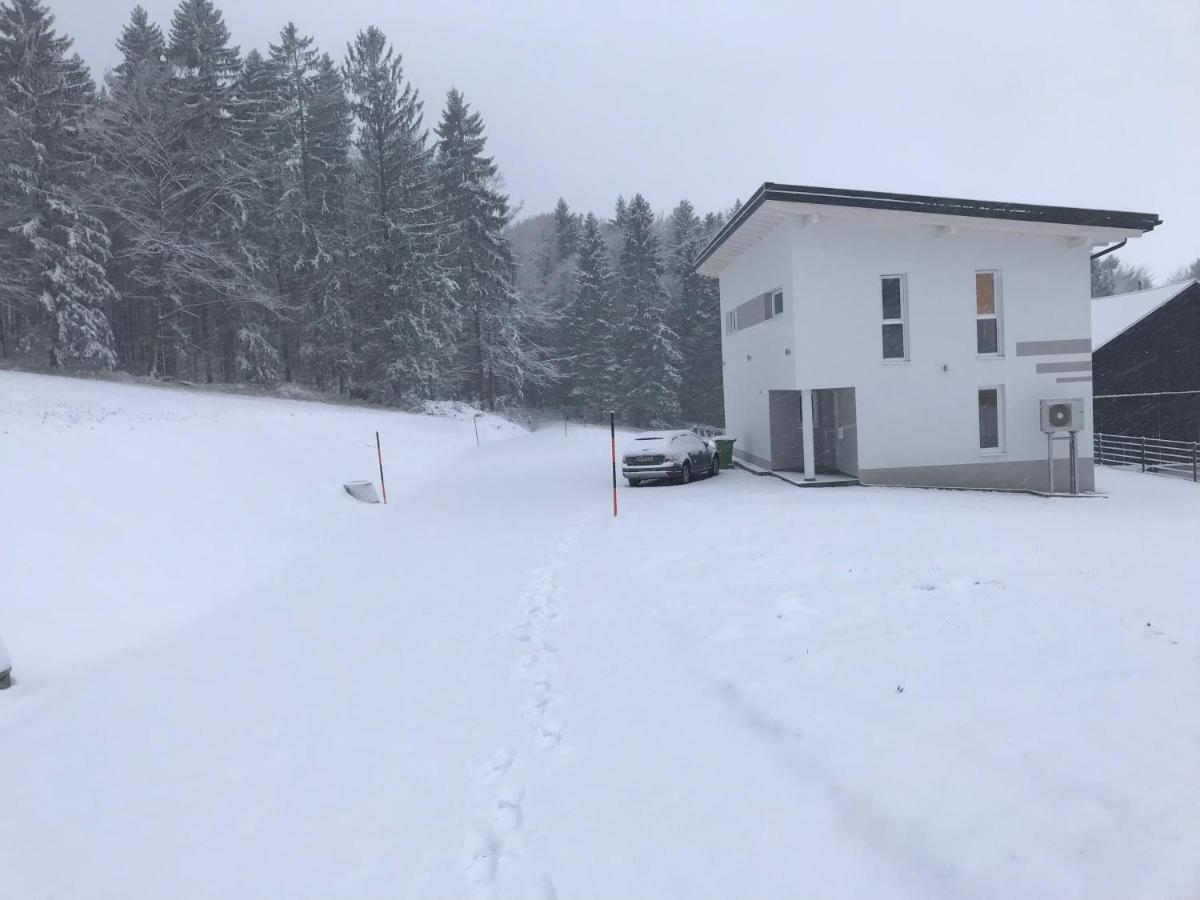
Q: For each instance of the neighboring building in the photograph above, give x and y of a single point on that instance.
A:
(905, 339)
(1146, 362)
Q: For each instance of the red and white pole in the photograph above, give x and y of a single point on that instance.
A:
(612, 430)
(379, 453)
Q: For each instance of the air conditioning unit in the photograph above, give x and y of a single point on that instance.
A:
(1062, 415)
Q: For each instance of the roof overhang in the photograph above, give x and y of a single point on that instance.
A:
(774, 204)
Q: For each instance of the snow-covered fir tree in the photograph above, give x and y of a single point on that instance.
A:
(696, 304)
(406, 312)
(137, 131)
(216, 162)
(54, 257)
(646, 344)
(327, 333)
(567, 231)
(590, 372)
(262, 336)
(478, 257)
(141, 43)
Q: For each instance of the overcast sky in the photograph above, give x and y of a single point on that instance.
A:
(1091, 103)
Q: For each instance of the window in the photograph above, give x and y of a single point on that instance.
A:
(757, 309)
(772, 302)
(988, 340)
(991, 419)
(895, 316)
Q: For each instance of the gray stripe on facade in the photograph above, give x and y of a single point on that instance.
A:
(1054, 348)
(1023, 475)
(1081, 366)
(1074, 378)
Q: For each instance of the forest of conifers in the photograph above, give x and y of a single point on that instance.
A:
(204, 215)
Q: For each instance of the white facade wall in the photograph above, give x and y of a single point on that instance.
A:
(923, 412)
(760, 358)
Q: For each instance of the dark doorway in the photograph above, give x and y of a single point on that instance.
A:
(835, 431)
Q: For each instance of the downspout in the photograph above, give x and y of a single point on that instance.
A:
(1107, 250)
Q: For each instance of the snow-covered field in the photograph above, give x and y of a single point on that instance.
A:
(235, 681)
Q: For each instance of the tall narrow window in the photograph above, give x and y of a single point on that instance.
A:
(987, 314)
(990, 419)
(895, 316)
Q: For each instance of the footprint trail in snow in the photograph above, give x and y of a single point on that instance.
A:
(499, 864)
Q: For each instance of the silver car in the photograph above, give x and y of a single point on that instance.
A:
(668, 455)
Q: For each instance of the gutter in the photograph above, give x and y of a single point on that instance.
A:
(1108, 250)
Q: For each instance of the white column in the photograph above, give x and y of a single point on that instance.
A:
(806, 411)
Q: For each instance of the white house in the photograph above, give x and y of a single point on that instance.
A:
(904, 339)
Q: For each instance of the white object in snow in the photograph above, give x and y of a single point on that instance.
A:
(5, 667)
(362, 490)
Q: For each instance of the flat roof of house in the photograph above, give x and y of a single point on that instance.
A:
(1112, 316)
(941, 206)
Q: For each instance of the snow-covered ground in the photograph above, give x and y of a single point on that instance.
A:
(234, 681)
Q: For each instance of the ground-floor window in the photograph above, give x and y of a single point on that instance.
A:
(991, 418)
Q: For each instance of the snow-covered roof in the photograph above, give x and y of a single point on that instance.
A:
(1118, 313)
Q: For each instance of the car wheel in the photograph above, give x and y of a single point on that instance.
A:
(635, 482)
(685, 474)
(5, 679)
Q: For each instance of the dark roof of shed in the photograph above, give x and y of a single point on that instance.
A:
(946, 206)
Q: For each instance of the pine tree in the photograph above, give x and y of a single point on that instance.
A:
(590, 373)
(566, 232)
(55, 252)
(262, 340)
(141, 43)
(328, 337)
(697, 308)
(405, 313)
(646, 343)
(214, 169)
(478, 256)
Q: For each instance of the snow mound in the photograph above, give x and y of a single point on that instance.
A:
(465, 412)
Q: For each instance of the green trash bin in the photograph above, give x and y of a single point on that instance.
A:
(725, 451)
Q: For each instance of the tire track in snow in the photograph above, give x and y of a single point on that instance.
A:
(499, 864)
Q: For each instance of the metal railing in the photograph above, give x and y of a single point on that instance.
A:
(1158, 456)
(704, 431)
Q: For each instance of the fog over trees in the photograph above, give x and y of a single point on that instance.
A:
(283, 214)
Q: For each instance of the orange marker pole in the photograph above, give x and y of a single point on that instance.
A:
(379, 453)
(612, 429)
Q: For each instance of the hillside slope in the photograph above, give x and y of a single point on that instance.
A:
(133, 508)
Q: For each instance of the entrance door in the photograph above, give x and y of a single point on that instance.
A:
(825, 429)
(835, 432)
(847, 431)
